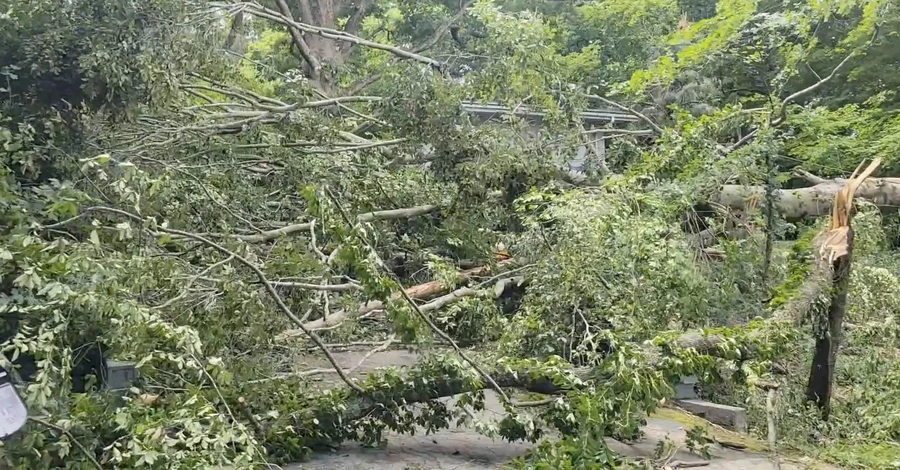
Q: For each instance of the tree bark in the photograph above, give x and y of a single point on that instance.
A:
(355, 21)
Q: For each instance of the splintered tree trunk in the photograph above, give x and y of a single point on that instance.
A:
(834, 250)
(821, 376)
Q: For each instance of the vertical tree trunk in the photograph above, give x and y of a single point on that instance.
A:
(236, 41)
(821, 376)
(770, 217)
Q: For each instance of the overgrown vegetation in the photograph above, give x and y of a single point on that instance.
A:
(218, 191)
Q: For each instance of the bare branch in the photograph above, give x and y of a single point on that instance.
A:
(743, 141)
(397, 213)
(607, 130)
(191, 282)
(270, 234)
(319, 287)
(422, 291)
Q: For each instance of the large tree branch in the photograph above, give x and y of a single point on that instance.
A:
(531, 377)
(270, 235)
(392, 214)
(263, 12)
(314, 65)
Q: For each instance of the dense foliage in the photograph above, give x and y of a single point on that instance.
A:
(191, 184)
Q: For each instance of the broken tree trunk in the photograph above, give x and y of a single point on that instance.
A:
(816, 200)
(834, 250)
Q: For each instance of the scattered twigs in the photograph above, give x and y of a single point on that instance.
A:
(381, 347)
(422, 291)
(84, 450)
(205, 189)
(675, 464)
(191, 282)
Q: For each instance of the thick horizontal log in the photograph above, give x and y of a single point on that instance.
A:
(817, 200)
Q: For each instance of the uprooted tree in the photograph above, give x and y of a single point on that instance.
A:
(214, 189)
